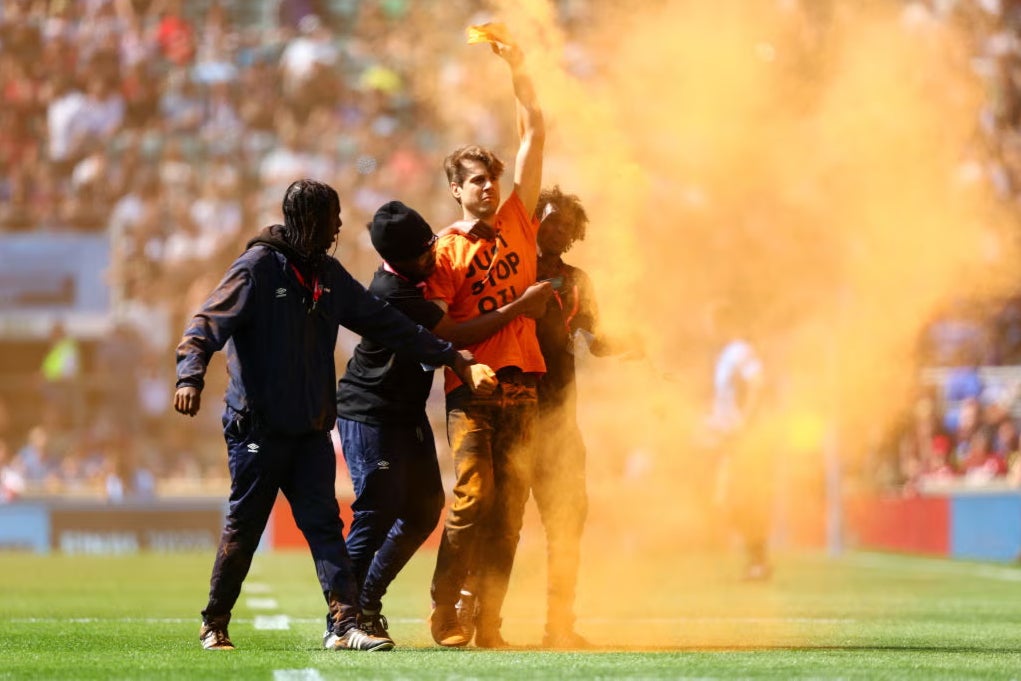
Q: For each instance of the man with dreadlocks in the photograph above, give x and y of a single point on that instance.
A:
(278, 310)
(558, 479)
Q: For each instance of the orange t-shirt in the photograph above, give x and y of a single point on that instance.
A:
(475, 277)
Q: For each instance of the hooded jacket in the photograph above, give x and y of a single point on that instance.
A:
(280, 334)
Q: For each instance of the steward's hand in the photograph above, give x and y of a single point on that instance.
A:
(483, 379)
(187, 400)
(479, 378)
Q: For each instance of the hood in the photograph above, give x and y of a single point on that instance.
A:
(274, 237)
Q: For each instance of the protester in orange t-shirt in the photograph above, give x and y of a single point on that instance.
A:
(483, 262)
(477, 275)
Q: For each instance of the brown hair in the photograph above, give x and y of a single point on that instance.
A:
(453, 164)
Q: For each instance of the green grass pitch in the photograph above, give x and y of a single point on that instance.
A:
(862, 616)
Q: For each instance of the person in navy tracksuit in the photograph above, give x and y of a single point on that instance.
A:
(278, 310)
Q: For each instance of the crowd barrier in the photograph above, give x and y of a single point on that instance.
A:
(974, 524)
(86, 526)
(971, 523)
(98, 527)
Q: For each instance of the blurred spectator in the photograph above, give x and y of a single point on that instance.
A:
(60, 371)
(290, 13)
(980, 464)
(175, 34)
(12, 479)
(35, 460)
(963, 383)
(1005, 443)
(968, 423)
(66, 104)
(956, 337)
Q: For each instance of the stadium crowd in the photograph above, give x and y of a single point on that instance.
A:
(172, 127)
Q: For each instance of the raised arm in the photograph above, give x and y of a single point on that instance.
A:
(531, 127)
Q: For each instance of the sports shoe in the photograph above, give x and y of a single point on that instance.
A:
(355, 639)
(374, 624)
(487, 634)
(490, 638)
(466, 611)
(213, 636)
(445, 628)
(565, 639)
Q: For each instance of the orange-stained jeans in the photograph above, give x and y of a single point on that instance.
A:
(491, 442)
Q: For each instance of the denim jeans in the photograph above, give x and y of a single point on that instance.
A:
(304, 468)
(491, 440)
(398, 499)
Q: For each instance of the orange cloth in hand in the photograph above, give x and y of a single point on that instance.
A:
(488, 33)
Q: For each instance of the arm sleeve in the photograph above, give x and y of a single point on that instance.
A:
(515, 211)
(446, 279)
(368, 316)
(209, 330)
(416, 308)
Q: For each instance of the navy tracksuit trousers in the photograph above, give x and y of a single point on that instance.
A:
(304, 468)
(398, 499)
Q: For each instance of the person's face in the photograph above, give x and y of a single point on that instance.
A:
(330, 234)
(420, 268)
(555, 232)
(479, 194)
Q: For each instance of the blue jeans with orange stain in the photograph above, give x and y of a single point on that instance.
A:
(398, 499)
(491, 442)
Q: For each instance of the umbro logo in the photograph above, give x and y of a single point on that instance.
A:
(281, 292)
(253, 447)
(383, 465)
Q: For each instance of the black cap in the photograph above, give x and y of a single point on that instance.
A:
(399, 232)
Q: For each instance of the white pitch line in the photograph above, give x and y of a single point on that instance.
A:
(718, 620)
(420, 620)
(917, 564)
(262, 603)
(296, 675)
(256, 588)
(272, 622)
(97, 620)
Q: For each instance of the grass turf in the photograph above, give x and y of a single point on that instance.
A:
(863, 616)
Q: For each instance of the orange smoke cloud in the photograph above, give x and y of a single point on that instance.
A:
(812, 163)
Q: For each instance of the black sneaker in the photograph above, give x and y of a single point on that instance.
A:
(355, 639)
(466, 610)
(374, 625)
(213, 636)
